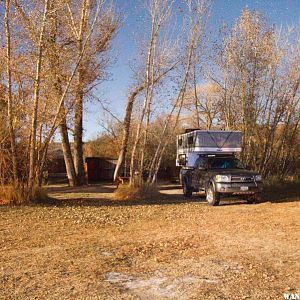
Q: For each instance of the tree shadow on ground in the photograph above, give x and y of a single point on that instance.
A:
(93, 188)
(162, 199)
(170, 186)
(280, 192)
(169, 194)
(277, 198)
(102, 195)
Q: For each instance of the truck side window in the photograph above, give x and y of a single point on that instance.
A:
(190, 140)
(200, 163)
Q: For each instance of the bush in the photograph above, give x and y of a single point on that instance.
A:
(142, 192)
(275, 183)
(276, 189)
(22, 194)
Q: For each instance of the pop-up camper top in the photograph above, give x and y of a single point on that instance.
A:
(190, 145)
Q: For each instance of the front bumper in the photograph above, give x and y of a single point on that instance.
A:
(239, 188)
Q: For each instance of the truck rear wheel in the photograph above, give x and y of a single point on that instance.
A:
(212, 197)
(187, 190)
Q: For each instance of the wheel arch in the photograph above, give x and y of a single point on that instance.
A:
(210, 182)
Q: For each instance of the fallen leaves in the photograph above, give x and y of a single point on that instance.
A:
(66, 250)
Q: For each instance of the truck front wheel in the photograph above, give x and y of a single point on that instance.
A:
(256, 198)
(212, 197)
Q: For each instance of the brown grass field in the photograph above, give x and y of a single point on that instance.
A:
(86, 245)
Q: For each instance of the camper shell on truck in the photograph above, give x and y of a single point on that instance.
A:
(208, 163)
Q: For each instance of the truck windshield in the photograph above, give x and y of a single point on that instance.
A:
(224, 163)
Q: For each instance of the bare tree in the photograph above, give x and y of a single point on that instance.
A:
(58, 114)
(9, 92)
(41, 77)
(259, 92)
(90, 70)
(54, 51)
(36, 94)
(126, 129)
(197, 13)
(156, 65)
(202, 102)
(160, 11)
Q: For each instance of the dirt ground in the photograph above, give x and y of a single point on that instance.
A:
(86, 245)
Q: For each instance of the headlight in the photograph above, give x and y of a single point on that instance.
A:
(223, 178)
(258, 178)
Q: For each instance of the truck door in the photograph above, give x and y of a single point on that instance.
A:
(199, 173)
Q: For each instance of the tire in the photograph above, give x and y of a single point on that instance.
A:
(212, 197)
(187, 190)
(256, 198)
(251, 200)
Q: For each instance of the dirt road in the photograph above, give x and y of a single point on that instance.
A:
(92, 247)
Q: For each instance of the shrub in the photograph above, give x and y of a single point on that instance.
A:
(275, 189)
(21, 194)
(142, 192)
(275, 183)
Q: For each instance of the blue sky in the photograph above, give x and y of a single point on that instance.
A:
(278, 12)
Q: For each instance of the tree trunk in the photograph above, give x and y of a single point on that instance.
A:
(126, 130)
(127, 120)
(57, 116)
(78, 129)
(9, 94)
(32, 147)
(148, 94)
(58, 91)
(78, 126)
(196, 98)
(67, 153)
(156, 161)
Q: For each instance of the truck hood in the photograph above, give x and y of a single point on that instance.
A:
(238, 172)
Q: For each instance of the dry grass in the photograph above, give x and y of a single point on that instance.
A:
(22, 194)
(130, 192)
(181, 250)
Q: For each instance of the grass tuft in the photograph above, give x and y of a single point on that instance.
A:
(142, 192)
(22, 194)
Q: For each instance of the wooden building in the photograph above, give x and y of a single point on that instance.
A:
(100, 168)
(97, 169)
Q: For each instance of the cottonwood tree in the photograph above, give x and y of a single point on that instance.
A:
(4, 136)
(10, 113)
(259, 91)
(58, 60)
(196, 18)
(160, 12)
(159, 54)
(36, 97)
(156, 63)
(279, 154)
(39, 81)
(94, 41)
(202, 104)
(90, 71)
